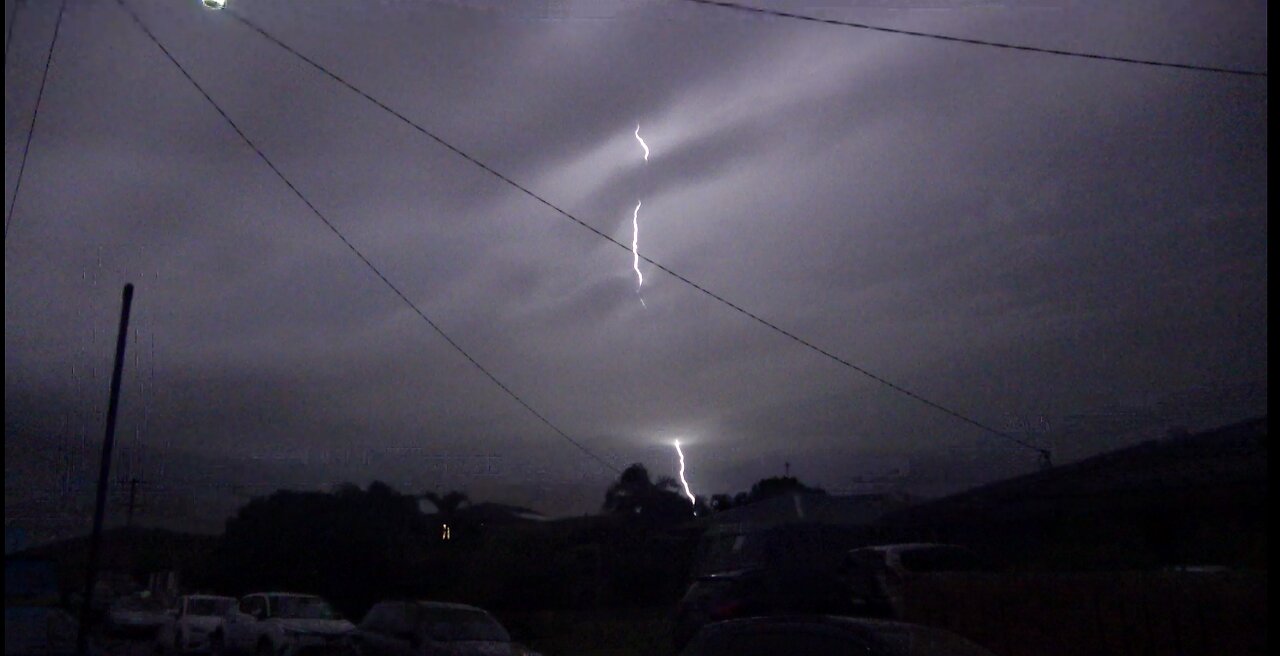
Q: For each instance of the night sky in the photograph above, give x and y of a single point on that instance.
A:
(1026, 238)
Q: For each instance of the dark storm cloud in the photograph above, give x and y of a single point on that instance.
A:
(1005, 232)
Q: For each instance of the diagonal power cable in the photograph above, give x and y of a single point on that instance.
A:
(356, 251)
(596, 231)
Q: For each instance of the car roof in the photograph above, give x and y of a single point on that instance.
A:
(868, 623)
(871, 630)
(208, 596)
(905, 546)
(446, 605)
(863, 627)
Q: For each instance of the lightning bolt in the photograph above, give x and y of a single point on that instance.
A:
(683, 482)
(642, 143)
(635, 229)
(635, 243)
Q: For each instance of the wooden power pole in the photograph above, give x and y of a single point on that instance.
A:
(104, 475)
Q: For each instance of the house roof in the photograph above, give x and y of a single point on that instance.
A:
(848, 510)
(1232, 455)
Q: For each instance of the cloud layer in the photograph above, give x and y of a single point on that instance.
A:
(1006, 233)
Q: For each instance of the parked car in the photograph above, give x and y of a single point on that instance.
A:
(281, 624)
(875, 575)
(425, 628)
(138, 616)
(30, 582)
(195, 618)
(40, 631)
(825, 636)
(783, 569)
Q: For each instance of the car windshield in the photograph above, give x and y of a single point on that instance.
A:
(454, 624)
(784, 547)
(137, 604)
(302, 608)
(808, 547)
(211, 607)
(729, 552)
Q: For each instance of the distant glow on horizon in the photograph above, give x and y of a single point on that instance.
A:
(692, 500)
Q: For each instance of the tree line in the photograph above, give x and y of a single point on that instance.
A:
(356, 546)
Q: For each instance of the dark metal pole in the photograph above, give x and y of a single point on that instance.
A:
(104, 473)
(133, 494)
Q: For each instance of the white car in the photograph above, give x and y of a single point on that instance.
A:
(195, 619)
(280, 624)
(135, 616)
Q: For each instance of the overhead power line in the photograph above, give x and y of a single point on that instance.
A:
(979, 42)
(8, 39)
(352, 247)
(596, 231)
(35, 114)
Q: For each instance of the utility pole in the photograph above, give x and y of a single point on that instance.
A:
(133, 496)
(104, 474)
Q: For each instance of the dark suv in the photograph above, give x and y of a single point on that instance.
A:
(792, 568)
(876, 575)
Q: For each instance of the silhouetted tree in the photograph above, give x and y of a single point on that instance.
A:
(721, 502)
(447, 507)
(765, 488)
(625, 494)
(447, 504)
(347, 490)
(349, 545)
(635, 494)
(774, 486)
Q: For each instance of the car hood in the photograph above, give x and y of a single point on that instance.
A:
(476, 648)
(202, 622)
(137, 617)
(325, 627)
(731, 575)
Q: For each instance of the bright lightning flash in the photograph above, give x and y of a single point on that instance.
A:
(635, 244)
(642, 143)
(635, 228)
(683, 482)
